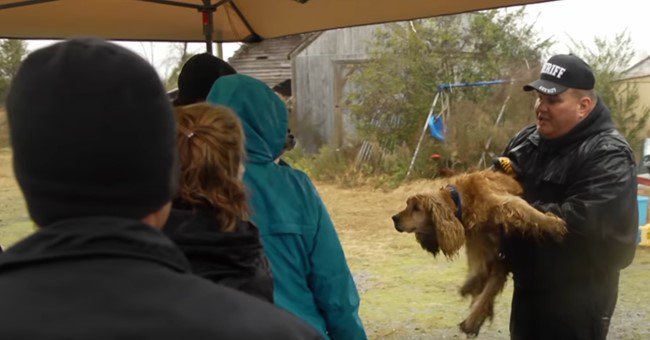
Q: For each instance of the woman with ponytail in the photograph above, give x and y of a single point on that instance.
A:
(209, 219)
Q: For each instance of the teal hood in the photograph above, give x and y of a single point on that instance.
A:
(263, 114)
(310, 274)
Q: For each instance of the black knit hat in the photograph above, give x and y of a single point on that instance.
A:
(92, 131)
(561, 72)
(197, 76)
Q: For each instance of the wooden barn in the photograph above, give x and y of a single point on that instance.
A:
(312, 69)
(320, 85)
(270, 60)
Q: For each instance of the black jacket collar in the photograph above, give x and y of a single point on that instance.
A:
(96, 237)
(200, 228)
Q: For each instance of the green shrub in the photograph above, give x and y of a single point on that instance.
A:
(380, 168)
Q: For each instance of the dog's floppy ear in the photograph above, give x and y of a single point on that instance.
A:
(449, 231)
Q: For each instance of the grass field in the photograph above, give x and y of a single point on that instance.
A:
(405, 292)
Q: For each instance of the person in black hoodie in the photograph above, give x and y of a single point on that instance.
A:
(209, 220)
(94, 145)
(573, 163)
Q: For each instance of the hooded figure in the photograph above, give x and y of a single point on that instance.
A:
(94, 153)
(311, 277)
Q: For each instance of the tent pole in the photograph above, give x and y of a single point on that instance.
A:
(208, 25)
(220, 50)
(207, 12)
(24, 3)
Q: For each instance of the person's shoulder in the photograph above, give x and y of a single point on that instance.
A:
(296, 175)
(612, 137)
(229, 313)
(176, 220)
(609, 142)
(524, 133)
(300, 175)
(521, 137)
(183, 221)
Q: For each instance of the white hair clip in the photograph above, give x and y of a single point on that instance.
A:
(190, 135)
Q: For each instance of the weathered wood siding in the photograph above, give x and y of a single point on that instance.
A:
(319, 72)
(268, 60)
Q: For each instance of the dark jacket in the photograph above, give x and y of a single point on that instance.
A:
(235, 259)
(112, 278)
(588, 178)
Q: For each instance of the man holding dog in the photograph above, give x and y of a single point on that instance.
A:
(94, 143)
(575, 164)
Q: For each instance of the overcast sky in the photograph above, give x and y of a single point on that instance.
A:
(581, 19)
(585, 19)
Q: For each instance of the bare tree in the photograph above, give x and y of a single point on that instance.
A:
(12, 53)
(174, 62)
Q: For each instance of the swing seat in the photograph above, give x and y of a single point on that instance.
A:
(437, 127)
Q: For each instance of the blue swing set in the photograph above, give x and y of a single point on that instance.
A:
(436, 123)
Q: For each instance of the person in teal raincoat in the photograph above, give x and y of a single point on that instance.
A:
(312, 279)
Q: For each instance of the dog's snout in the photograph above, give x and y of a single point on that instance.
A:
(395, 219)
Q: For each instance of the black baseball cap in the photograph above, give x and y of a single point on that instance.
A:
(561, 72)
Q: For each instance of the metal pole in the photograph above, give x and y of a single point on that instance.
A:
(489, 141)
(173, 3)
(207, 10)
(424, 130)
(24, 3)
(220, 50)
(208, 25)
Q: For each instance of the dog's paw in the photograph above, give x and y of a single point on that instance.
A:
(466, 290)
(556, 227)
(473, 286)
(469, 328)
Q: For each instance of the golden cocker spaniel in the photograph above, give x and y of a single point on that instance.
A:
(475, 210)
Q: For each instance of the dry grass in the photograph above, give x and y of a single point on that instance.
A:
(4, 129)
(14, 220)
(405, 292)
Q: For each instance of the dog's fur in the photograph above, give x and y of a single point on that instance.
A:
(490, 208)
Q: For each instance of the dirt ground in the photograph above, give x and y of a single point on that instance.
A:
(14, 220)
(405, 292)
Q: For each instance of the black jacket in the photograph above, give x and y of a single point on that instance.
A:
(234, 259)
(588, 178)
(568, 289)
(112, 278)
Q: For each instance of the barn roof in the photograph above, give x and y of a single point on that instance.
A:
(638, 70)
(270, 60)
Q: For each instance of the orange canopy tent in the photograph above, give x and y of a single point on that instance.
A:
(212, 20)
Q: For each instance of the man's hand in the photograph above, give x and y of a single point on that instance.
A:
(505, 165)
